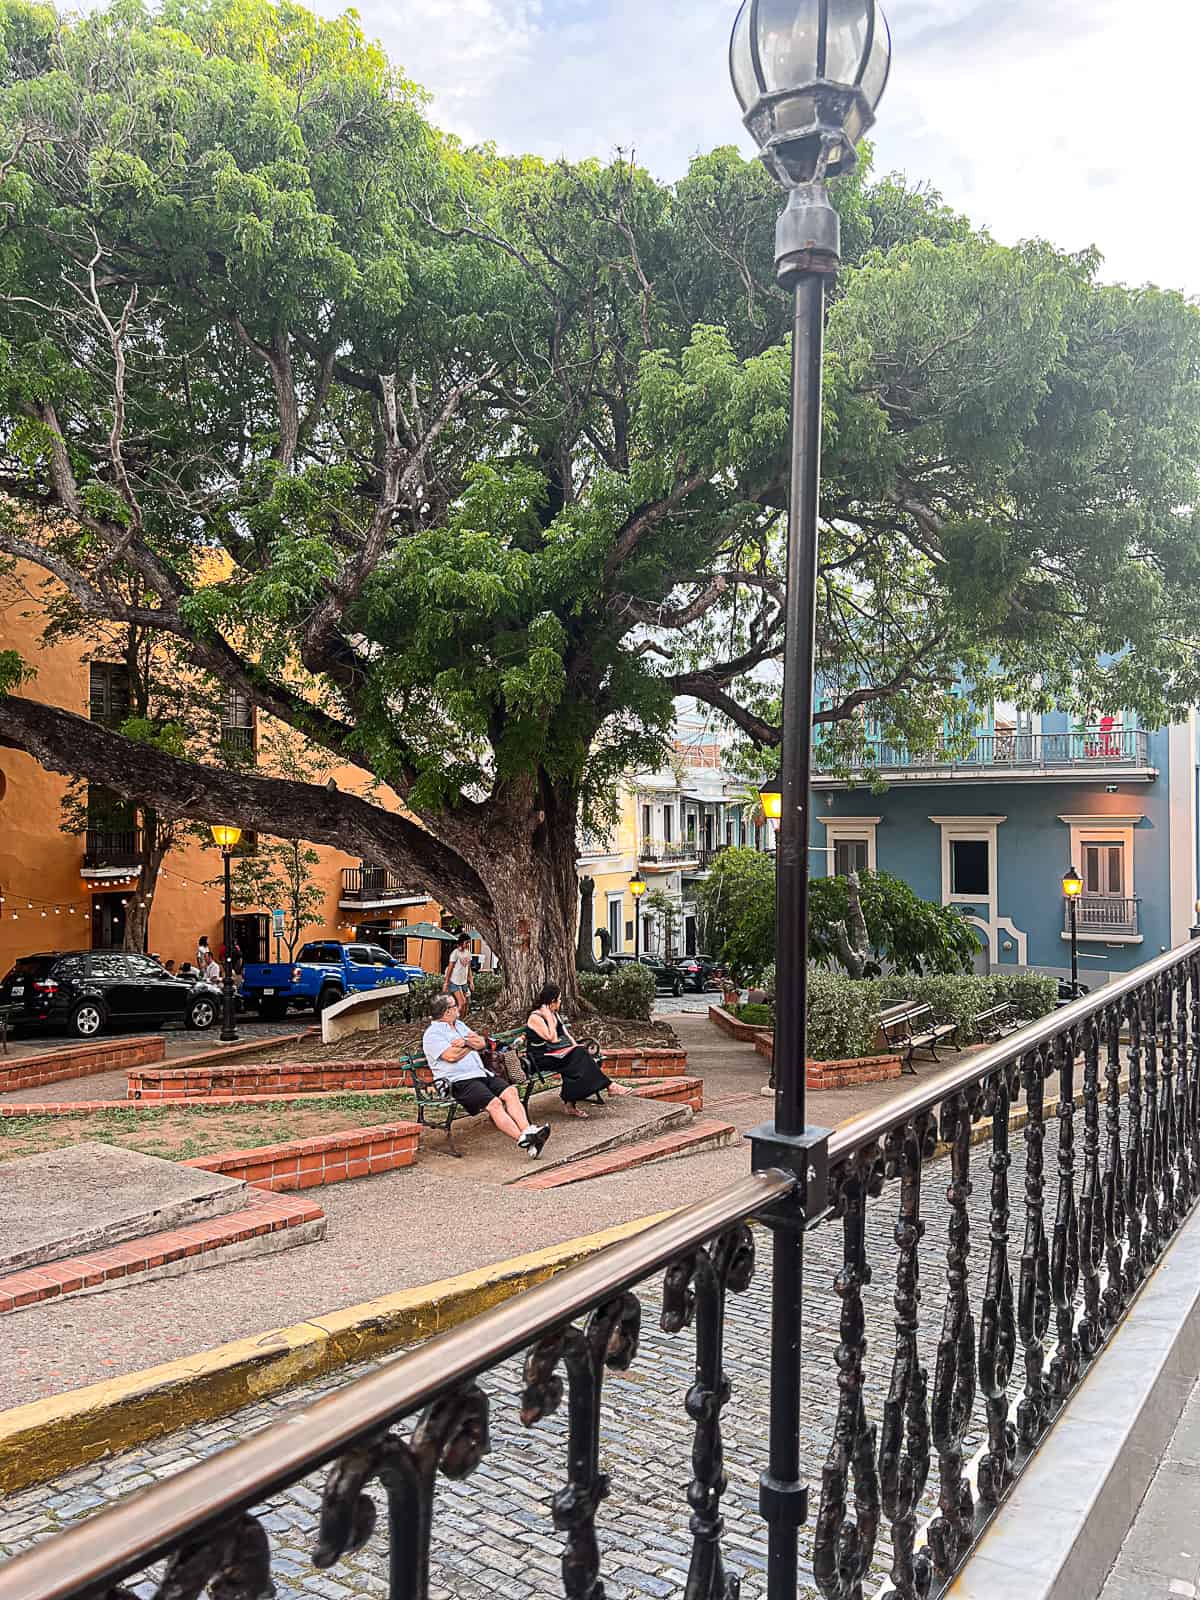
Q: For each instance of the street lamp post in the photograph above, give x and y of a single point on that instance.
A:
(1072, 888)
(227, 837)
(637, 888)
(808, 75)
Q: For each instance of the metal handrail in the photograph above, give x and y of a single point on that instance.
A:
(127, 1537)
(870, 1126)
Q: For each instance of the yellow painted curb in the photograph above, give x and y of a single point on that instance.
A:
(51, 1436)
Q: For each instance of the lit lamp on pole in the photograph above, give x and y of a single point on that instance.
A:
(226, 838)
(808, 75)
(1072, 888)
(637, 888)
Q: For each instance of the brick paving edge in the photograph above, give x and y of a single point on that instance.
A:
(50, 1436)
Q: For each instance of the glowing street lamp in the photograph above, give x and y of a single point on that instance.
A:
(637, 888)
(226, 836)
(1072, 888)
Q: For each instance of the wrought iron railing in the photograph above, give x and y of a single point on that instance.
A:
(373, 883)
(238, 739)
(1037, 752)
(112, 847)
(999, 1355)
(668, 850)
(1098, 913)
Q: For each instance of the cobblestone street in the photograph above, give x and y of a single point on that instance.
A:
(493, 1533)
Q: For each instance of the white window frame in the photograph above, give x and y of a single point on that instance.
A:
(992, 925)
(1093, 828)
(617, 900)
(840, 829)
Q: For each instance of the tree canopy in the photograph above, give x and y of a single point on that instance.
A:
(464, 465)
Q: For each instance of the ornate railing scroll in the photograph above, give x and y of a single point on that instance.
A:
(1102, 1101)
(427, 1415)
(1079, 1137)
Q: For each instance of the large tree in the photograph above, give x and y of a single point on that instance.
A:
(464, 467)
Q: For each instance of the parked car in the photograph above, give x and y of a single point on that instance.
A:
(667, 978)
(700, 972)
(87, 991)
(323, 972)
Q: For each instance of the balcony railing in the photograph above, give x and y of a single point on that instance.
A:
(368, 884)
(668, 850)
(238, 740)
(112, 847)
(1097, 913)
(1036, 752)
(929, 1356)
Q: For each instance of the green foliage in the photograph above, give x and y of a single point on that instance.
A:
(905, 932)
(843, 1015)
(737, 910)
(961, 998)
(13, 671)
(758, 1016)
(487, 988)
(627, 992)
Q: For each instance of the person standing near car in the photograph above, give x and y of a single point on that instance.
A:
(460, 977)
(203, 954)
(212, 970)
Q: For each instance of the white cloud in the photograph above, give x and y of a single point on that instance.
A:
(1061, 118)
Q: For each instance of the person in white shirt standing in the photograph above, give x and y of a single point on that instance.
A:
(452, 1051)
(460, 976)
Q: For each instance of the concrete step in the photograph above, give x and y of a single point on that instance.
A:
(702, 1133)
(266, 1223)
(88, 1197)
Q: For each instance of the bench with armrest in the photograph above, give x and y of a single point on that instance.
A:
(996, 1022)
(434, 1099)
(915, 1029)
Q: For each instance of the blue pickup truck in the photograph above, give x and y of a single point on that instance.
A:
(324, 971)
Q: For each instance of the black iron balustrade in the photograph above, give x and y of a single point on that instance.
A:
(373, 883)
(112, 847)
(1111, 1104)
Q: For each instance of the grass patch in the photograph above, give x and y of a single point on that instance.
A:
(180, 1133)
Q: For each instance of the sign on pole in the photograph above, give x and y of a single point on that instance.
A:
(277, 923)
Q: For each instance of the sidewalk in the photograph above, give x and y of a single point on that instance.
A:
(398, 1230)
(1161, 1553)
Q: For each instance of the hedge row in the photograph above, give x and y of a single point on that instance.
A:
(844, 1013)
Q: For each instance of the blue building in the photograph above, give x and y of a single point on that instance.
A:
(993, 830)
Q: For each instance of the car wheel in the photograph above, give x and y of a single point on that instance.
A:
(87, 1019)
(202, 1013)
(327, 998)
(677, 988)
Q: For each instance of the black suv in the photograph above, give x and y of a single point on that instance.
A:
(700, 972)
(667, 979)
(87, 990)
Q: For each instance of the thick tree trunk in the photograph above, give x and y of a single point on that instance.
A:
(527, 862)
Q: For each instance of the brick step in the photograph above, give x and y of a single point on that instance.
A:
(268, 1222)
(702, 1133)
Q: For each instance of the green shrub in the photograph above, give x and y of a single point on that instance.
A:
(756, 1016)
(843, 1015)
(961, 998)
(487, 988)
(627, 992)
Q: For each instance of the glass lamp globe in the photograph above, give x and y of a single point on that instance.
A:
(770, 798)
(225, 835)
(808, 75)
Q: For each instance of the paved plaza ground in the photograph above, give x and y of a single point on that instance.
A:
(493, 1534)
(1160, 1559)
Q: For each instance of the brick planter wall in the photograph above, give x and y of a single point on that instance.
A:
(329, 1158)
(679, 1091)
(848, 1074)
(321, 1077)
(80, 1061)
(728, 1023)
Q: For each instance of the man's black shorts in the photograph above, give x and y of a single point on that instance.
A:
(476, 1094)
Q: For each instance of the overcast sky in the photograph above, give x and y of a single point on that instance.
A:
(1071, 119)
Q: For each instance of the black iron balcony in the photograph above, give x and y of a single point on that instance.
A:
(1098, 913)
(929, 1354)
(668, 850)
(238, 740)
(373, 886)
(1016, 754)
(112, 847)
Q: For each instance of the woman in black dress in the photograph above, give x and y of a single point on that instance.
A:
(547, 1039)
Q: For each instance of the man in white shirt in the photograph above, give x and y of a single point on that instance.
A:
(452, 1051)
